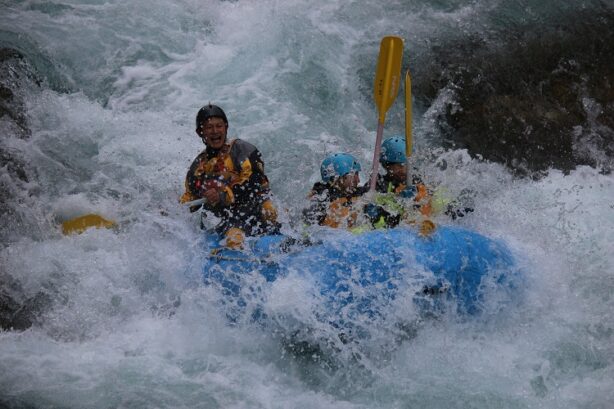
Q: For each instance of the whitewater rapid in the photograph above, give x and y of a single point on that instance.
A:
(111, 131)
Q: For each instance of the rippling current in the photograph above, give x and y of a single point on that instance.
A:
(513, 101)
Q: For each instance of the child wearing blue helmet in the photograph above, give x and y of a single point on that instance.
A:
(332, 201)
(394, 181)
(386, 210)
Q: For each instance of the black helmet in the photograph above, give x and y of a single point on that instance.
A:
(209, 111)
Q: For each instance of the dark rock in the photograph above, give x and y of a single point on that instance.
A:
(532, 97)
(10, 289)
(17, 79)
(30, 312)
(8, 308)
(15, 75)
(17, 311)
(15, 167)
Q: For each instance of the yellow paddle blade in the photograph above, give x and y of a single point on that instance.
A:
(388, 74)
(408, 119)
(82, 223)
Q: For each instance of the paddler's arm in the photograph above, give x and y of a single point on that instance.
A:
(192, 185)
(189, 196)
(315, 213)
(251, 184)
(379, 217)
(319, 200)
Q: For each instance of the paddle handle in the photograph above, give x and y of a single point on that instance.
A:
(376, 153)
(195, 202)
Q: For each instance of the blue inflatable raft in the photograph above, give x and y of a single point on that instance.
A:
(361, 276)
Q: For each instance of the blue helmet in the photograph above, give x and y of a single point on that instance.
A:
(393, 150)
(337, 165)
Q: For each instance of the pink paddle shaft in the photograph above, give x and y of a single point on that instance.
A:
(378, 146)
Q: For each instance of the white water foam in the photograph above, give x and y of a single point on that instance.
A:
(130, 324)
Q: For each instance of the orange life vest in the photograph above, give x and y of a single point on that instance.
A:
(422, 197)
(341, 213)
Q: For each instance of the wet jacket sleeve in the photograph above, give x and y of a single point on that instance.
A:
(317, 209)
(250, 185)
(191, 185)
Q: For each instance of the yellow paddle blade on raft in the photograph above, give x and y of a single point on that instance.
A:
(82, 223)
(387, 74)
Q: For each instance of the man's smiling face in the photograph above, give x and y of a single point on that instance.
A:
(214, 132)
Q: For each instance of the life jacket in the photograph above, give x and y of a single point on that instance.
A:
(341, 213)
(236, 171)
(422, 198)
(330, 207)
(215, 170)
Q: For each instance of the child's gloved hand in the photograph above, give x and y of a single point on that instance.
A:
(408, 192)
